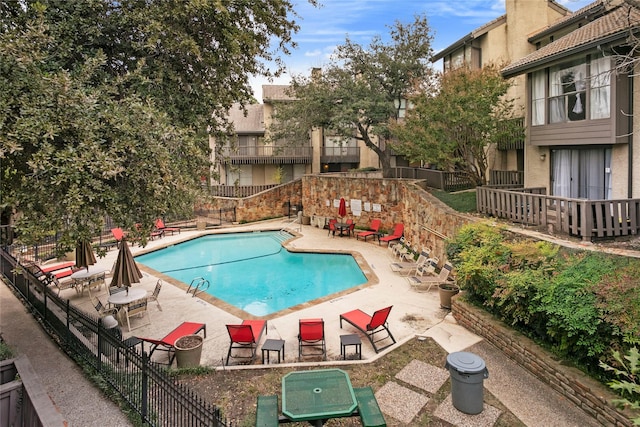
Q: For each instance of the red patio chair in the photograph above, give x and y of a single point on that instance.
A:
(352, 227)
(246, 336)
(161, 227)
(311, 334)
(373, 230)
(332, 227)
(370, 325)
(398, 230)
(168, 342)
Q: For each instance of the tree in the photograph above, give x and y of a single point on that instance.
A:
(453, 127)
(360, 93)
(106, 106)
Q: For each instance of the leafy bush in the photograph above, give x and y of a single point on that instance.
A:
(578, 304)
(628, 384)
(5, 351)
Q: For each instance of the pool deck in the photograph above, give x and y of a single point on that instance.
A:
(413, 314)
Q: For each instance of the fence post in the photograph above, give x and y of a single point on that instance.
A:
(68, 331)
(145, 386)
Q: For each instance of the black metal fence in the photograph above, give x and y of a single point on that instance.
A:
(155, 396)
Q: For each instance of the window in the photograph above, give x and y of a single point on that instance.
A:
(582, 173)
(570, 92)
(600, 88)
(537, 98)
(567, 93)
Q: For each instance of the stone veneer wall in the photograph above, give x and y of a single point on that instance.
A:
(427, 220)
(265, 205)
(588, 394)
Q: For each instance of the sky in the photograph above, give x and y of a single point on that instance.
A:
(325, 27)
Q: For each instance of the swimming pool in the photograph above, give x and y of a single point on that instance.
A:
(253, 272)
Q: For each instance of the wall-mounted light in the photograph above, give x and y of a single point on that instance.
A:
(543, 156)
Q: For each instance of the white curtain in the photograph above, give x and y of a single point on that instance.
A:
(556, 101)
(537, 98)
(561, 173)
(600, 88)
(591, 181)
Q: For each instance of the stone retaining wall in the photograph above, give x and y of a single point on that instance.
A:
(427, 220)
(588, 394)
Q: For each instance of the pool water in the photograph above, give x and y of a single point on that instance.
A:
(253, 272)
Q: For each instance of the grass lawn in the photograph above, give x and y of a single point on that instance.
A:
(462, 201)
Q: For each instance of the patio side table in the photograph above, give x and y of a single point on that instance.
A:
(273, 345)
(348, 340)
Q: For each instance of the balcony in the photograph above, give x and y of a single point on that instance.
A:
(267, 154)
(588, 219)
(340, 155)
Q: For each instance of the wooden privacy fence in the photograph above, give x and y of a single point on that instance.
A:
(587, 219)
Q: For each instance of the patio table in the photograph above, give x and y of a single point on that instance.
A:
(87, 278)
(127, 297)
(342, 226)
(317, 395)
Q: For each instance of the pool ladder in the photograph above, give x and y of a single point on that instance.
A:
(198, 284)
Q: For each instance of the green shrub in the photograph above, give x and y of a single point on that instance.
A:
(5, 351)
(578, 304)
(628, 384)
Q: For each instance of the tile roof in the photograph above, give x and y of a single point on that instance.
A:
(612, 27)
(252, 123)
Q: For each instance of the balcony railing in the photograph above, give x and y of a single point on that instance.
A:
(340, 155)
(267, 154)
(447, 181)
(587, 219)
(239, 190)
(509, 179)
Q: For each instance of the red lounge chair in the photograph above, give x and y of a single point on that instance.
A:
(311, 334)
(246, 336)
(373, 230)
(118, 234)
(52, 268)
(168, 342)
(161, 227)
(370, 325)
(398, 230)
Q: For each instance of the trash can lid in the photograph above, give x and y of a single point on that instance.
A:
(465, 362)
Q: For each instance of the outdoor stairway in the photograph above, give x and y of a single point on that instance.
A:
(281, 236)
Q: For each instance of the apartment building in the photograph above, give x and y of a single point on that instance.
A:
(582, 89)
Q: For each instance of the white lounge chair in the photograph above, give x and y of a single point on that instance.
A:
(421, 280)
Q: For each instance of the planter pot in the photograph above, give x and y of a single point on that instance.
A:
(446, 291)
(188, 351)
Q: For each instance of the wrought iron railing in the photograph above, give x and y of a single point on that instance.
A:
(157, 398)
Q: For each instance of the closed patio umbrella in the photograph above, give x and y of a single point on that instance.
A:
(342, 210)
(126, 271)
(84, 255)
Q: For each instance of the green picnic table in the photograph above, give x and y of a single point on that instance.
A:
(318, 395)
